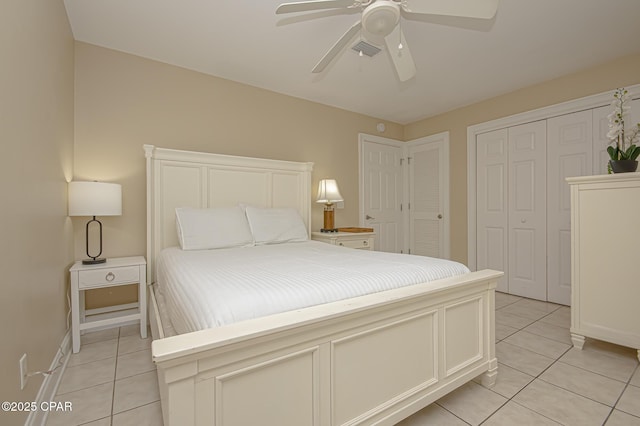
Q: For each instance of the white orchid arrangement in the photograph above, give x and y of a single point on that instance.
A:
(624, 148)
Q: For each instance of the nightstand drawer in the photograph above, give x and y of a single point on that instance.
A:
(353, 240)
(108, 276)
(360, 243)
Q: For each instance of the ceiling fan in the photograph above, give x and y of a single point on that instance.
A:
(380, 19)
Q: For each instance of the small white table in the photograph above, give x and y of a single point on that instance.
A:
(115, 272)
(355, 240)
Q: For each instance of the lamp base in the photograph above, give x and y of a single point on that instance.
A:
(94, 261)
(328, 220)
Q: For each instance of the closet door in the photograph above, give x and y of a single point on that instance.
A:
(569, 154)
(527, 201)
(492, 214)
(600, 140)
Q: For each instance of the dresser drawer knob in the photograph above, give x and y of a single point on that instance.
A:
(365, 243)
(340, 244)
(110, 277)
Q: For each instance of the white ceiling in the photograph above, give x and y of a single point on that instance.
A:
(528, 41)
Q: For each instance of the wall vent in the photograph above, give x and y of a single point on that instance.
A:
(366, 48)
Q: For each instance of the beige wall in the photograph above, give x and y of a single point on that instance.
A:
(124, 101)
(603, 78)
(36, 136)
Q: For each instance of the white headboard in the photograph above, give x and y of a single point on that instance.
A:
(202, 180)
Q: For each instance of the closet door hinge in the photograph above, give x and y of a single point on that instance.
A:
(400, 206)
(401, 161)
(409, 160)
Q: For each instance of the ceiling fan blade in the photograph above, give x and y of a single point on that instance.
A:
(401, 58)
(340, 44)
(483, 9)
(305, 6)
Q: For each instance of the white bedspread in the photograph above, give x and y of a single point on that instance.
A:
(209, 288)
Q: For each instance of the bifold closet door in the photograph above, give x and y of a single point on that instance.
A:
(527, 205)
(511, 207)
(569, 154)
(492, 209)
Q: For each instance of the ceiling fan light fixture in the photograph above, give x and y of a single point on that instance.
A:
(381, 17)
(380, 23)
(364, 48)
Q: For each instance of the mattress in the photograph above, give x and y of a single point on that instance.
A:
(210, 288)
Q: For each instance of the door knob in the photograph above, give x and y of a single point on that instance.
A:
(369, 217)
(439, 216)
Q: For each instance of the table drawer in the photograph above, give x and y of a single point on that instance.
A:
(109, 276)
(356, 243)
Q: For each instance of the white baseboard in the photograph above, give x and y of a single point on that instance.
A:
(51, 382)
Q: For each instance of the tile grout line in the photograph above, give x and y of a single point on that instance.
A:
(534, 378)
(578, 367)
(115, 372)
(557, 359)
(452, 413)
(622, 393)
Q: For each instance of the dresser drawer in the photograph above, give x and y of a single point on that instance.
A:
(108, 276)
(356, 243)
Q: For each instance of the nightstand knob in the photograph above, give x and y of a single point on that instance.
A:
(340, 244)
(110, 277)
(365, 243)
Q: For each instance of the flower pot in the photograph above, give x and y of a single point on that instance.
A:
(623, 166)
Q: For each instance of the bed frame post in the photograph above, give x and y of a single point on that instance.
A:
(489, 378)
(148, 153)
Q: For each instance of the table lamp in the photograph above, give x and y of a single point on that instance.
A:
(94, 199)
(328, 194)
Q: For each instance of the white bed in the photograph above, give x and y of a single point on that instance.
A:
(370, 359)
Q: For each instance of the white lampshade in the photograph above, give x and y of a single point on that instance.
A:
(328, 192)
(95, 199)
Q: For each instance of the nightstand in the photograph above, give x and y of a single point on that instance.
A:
(115, 272)
(355, 240)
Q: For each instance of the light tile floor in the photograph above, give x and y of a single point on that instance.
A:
(110, 382)
(542, 380)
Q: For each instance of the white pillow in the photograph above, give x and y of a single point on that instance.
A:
(201, 229)
(272, 226)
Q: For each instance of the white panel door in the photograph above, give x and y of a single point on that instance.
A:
(600, 129)
(569, 153)
(382, 193)
(527, 201)
(428, 208)
(492, 207)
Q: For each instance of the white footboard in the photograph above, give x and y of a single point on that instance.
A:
(375, 359)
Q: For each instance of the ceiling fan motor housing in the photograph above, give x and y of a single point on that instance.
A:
(381, 17)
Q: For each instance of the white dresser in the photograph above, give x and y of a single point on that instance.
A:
(605, 254)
